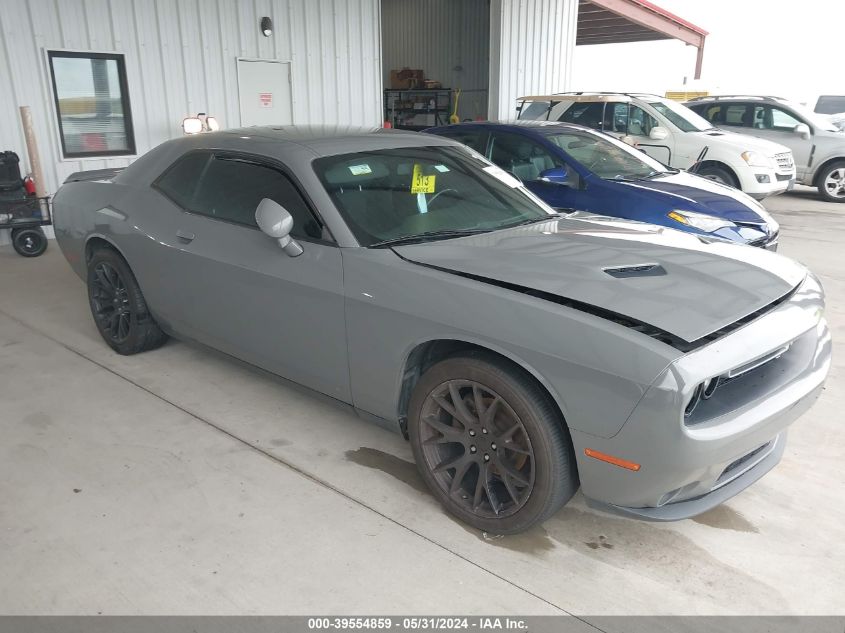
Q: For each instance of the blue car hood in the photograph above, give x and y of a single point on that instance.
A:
(703, 285)
(694, 193)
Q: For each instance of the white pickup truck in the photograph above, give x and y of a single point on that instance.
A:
(673, 134)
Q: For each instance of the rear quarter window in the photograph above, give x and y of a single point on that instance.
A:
(180, 180)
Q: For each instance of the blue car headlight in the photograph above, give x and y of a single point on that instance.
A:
(700, 221)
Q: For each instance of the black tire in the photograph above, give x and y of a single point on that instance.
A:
(828, 179)
(539, 452)
(719, 174)
(29, 242)
(118, 307)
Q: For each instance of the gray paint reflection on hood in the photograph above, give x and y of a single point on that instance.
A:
(707, 285)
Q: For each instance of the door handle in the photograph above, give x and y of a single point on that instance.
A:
(185, 236)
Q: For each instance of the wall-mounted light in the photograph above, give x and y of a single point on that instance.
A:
(202, 122)
(267, 26)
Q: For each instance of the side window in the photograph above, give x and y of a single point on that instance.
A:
(735, 114)
(640, 122)
(712, 113)
(521, 156)
(586, 114)
(616, 118)
(476, 139)
(232, 187)
(180, 181)
(783, 120)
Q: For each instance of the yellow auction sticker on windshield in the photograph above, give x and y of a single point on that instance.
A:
(420, 183)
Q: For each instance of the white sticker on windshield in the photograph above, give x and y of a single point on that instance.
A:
(441, 168)
(359, 170)
(501, 174)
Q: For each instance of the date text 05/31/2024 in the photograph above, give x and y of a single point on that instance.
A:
(429, 623)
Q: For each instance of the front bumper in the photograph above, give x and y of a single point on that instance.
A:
(689, 465)
(776, 183)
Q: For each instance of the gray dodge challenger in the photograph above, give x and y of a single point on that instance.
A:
(522, 350)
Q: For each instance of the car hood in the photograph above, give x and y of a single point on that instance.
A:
(742, 142)
(693, 193)
(698, 287)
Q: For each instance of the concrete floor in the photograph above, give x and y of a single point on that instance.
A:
(181, 482)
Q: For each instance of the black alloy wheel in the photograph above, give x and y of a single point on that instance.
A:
(490, 443)
(477, 448)
(118, 306)
(110, 303)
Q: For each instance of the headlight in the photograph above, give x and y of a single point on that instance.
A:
(700, 221)
(756, 159)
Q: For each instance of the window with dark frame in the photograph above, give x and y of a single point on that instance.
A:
(92, 104)
(229, 188)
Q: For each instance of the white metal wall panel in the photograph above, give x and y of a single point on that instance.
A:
(181, 59)
(531, 47)
(438, 36)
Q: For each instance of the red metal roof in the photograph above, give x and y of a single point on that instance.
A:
(617, 21)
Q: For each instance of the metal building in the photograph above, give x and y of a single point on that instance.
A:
(109, 79)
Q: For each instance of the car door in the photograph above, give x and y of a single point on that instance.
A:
(777, 124)
(638, 130)
(527, 159)
(231, 287)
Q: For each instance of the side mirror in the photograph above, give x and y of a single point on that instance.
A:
(274, 220)
(803, 130)
(658, 133)
(556, 175)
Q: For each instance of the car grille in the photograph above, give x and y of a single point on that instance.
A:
(744, 463)
(784, 161)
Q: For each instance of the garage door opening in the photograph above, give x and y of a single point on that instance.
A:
(449, 41)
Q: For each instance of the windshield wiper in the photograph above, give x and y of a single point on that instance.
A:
(657, 173)
(544, 218)
(427, 236)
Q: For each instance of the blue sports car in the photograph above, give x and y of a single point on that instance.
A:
(573, 167)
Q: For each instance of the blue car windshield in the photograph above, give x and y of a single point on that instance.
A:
(606, 157)
(424, 193)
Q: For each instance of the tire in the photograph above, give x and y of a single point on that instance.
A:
(509, 480)
(719, 174)
(118, 307)
(832, 182)
(29, 242)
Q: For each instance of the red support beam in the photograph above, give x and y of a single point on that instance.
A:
(616, 21)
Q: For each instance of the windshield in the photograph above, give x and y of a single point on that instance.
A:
(813, 118)
(681, 116)
(606, 157)
(430, 192)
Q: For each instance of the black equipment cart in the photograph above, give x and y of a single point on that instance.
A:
(20, 210)
(26, 217)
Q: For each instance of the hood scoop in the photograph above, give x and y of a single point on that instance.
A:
(635, 270)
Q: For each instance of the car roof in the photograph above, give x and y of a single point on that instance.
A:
(330, 140)
(527, 126)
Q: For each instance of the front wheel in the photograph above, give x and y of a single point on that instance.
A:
(490, 444)
(118, 306)
(29, 242)
(719, 174)
(832, 182)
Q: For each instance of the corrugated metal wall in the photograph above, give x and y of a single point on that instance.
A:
(181, 58)
(532, 42)
(448, 39)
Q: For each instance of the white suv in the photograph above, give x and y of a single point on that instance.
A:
(674, 135)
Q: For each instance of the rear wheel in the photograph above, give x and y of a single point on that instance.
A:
(118, 306)
(719, 174)
(29, 242)
(832, 182)
(490, 444)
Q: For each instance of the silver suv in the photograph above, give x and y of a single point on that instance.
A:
(817, 145)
